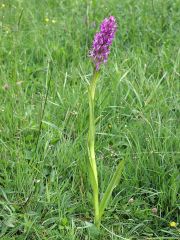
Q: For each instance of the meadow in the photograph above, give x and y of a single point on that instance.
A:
(44, 68)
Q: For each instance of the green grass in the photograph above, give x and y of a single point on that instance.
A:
(44, 192)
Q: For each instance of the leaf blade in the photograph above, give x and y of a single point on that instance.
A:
(114, 181)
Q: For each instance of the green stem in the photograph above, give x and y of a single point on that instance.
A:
(48, 81)
(91, 151)
(99, 207)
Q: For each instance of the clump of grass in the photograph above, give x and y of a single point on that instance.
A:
(138, 105)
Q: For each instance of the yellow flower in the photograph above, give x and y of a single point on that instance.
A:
(172, 224)
(53, 21)
(46, 19)
(3, 5)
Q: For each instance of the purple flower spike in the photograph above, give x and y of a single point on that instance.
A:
(102, 41)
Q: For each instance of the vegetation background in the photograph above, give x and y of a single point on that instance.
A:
(44, 192)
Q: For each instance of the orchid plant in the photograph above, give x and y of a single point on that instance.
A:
(99, 55)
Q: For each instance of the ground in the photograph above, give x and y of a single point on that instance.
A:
(44, 187)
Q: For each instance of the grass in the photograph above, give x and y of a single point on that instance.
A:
(44, 193)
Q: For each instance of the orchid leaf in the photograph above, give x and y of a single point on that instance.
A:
(113, 183)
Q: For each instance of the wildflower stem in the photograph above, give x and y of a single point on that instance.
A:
(91, 152)
(48, 80)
